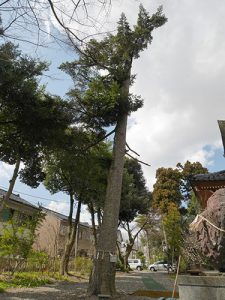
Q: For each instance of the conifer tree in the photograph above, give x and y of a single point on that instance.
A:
(30, 119)
(102, 97)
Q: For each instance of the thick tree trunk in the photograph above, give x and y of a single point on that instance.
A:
(127, 254)
(70, 242)
(99, 217)
(11, 185)
(102, 279)
(121, 257)
(91, 209)
(69, 233)
(148, 245)
(166, 242)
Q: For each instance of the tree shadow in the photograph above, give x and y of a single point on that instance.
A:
(59, 290)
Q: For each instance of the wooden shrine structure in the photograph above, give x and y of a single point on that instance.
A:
(204, 185)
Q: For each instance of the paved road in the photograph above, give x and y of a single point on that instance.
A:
(126, 284)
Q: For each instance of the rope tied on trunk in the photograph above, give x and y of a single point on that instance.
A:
(198, 219)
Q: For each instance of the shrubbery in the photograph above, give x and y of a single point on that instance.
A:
(83, 265)
(38, 260)
(16, 240)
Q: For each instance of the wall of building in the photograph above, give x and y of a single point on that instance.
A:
(16, 212)
(85, 242)
(47, 235)
(52, 233)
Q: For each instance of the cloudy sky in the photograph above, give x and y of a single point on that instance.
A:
(181, 78)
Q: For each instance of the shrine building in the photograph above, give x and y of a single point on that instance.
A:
(204, 185)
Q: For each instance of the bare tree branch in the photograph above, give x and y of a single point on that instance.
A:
(140, 161)
(62, 24)
(34, 14)
(75, 8)
(132, 150)
(4, 2)
(140, 229)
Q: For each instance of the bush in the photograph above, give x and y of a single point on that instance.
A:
(83, 265)
(120, 267)
(142, 257)
(17, 238)
(183, 266)
(38, 260)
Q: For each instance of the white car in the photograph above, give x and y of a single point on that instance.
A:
(160, 266)
(135, 264)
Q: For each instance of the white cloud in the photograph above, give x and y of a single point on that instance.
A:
(203, 156)
(63, 208)
(6, 170)
(181, 78)
(85, 215)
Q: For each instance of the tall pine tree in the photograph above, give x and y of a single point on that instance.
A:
(105, 100)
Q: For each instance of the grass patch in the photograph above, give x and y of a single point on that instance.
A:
(23, 279)
(30, 279)
(59, 277)
(4, 285)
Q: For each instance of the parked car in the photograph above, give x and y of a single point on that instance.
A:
(135, 264)
(160, 266)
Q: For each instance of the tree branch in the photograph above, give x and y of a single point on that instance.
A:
(4, 2)
(98, 141)
(140, 161)
(142, 227)
(132, 150)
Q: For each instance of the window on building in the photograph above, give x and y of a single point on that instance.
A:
(63, 229)
(6, 214)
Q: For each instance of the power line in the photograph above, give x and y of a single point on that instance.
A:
(42, 198)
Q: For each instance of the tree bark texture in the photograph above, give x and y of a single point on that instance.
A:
(99, 217)
(11, 185)
(64, 264)
(121, 257)
(102, 279)
(91, 209)
(208, 231)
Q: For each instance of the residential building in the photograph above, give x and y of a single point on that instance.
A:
(51, 236)
(16, 208)
(51, 233)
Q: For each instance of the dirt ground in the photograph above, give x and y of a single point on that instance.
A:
(126, 285)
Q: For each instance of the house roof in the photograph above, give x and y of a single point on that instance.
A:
(61, 216)
(17, 199)
(216, 176)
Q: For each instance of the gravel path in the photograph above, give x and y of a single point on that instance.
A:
(126, 284)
